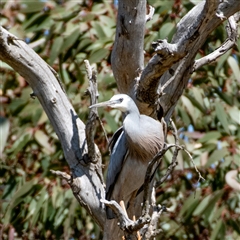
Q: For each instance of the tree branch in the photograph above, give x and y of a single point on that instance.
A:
(87, 187)
(192, 32)
(92, 91)
(232, 31)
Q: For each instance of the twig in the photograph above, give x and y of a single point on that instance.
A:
(151, 230)
(104, 131)
(93, 92)
(124, 208)
(125, 223)
(199, 174)
(150, 14)
(62, 175)
(174, 158)
(232, 32)
(90, 125)
(153, 166)
(149, 175)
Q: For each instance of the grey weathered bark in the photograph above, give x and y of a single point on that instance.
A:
(173, 61)
(191, 33)
(85, 180)
(127, 56)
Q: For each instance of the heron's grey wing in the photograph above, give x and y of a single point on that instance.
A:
(115, 138)
(119, 151)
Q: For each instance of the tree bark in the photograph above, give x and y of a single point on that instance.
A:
(191, 33)
(127, 58)
(86, 177)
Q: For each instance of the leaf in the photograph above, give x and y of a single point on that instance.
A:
(83, 43)
(190, 205)
(235, 225)
(221, 115)
(184, 116)
(208, 137)
(33, 21)
(4, 131)
(36, 115)
(212, 203)
(234, 113)
(235, 67)
(217, 155)
(111, 122)
(55, 50)
(224, 96)
(99, 30)
(190, 108)
(218, 230)
(165, 30)
(196, 103)
(31, 6)
(20, 143)
(99, 9)
(54, 196)
(41, 200)
(43, 140)
(17, 105)
(216, 213)
(70, 40)
(17, 198)
(98, 55)
(207, 203)
(45, 211)
(69, 217)
(221, 61)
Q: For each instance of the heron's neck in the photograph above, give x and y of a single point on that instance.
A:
(131, 120)
(132, 110)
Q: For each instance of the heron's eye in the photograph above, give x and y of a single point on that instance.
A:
(120, 100)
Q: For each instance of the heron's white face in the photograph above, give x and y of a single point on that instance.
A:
(121, 102)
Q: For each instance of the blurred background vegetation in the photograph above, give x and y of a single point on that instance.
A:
(34, 203)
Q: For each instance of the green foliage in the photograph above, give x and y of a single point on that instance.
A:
(37, 205)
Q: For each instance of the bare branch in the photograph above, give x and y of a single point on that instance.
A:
(192, 32)
(68, 127)
(124, 221)
(152, 230)
(164, 58)
(92, 91)
(62, 175)
(189, 155)
(174, 158)
(152, 167)
(129, 226)
(232, 31)
(150, 14)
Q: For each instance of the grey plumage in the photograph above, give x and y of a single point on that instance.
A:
(132, 147)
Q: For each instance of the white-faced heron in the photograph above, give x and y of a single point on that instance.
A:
(132, 147)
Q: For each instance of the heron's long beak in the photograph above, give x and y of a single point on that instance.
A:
(104, 104)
